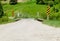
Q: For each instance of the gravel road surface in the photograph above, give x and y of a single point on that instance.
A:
(28, 30)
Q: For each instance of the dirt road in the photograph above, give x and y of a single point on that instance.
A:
(28, 30)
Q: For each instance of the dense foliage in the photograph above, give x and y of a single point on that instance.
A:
(51, 2)
(1, 10)
(13, 2)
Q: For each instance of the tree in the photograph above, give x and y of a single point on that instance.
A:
(53, 0)
(37, 1)
(40, 2)
(48, 2)
(1, 10)
(13, 2)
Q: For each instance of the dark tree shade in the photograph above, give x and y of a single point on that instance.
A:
(1, 10)
(13, 2)
(53, 0)
(40, 2)
(37, 1)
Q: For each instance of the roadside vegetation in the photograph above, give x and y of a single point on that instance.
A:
(33, 9)
(54, 23)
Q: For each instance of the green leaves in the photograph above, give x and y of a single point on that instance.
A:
(1, 10)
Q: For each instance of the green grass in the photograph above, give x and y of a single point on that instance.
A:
(55, 23)
(5, 20)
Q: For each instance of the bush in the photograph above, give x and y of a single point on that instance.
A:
(13, 2)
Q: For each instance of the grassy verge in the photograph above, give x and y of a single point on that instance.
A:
(5, 21)
(55, 23)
